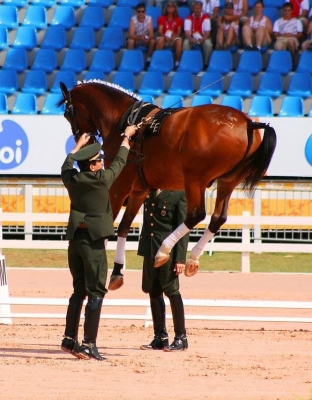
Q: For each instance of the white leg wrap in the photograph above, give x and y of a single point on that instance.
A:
(199, 247)
(172, 239)
(120, 250)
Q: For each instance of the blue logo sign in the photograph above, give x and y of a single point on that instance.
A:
(70, 144)
(308, 150)
(13, 145)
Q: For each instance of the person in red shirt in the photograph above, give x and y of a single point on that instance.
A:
(170, 27)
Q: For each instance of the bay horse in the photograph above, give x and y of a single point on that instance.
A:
(187, 148)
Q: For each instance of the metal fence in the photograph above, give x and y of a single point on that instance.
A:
(269, 200)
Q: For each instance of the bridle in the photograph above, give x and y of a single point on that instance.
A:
(69, 114)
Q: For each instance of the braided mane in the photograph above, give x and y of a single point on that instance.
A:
(113, 86)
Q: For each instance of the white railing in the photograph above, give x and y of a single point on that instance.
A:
(147, 317)
(245, 247)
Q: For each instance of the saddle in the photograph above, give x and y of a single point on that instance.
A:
(150, 116)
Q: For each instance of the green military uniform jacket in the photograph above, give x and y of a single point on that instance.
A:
(88, 193)
(162, 215)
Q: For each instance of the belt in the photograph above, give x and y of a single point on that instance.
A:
(82, 225)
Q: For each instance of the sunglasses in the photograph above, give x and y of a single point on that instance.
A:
(141, 11)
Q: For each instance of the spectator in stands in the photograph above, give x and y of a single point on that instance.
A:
(287, 31)
(307, 44)
(197, 29)
(300, 10)
(211, 8)
(257, 30)
(240, 10)
(141, 31)
(170, 27)
(227, 34)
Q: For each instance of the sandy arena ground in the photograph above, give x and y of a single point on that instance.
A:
(225, 360)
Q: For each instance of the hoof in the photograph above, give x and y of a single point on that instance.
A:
(160, 259)
(115, 282)
(191, 267)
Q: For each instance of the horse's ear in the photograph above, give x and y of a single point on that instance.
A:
(64, 90)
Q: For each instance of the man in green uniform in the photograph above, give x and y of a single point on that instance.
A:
(164, 211)
(90, 222)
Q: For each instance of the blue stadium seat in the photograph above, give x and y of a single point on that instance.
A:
(68, 77)
(261, 106)
(200, 100)
(274, 3)
(220, 61)
(104, 61)
(92, 17)
(147, 98)
(292, 106)
(172, 101)
(183, 12)
(35, 82)
(16, 59)
(181, 84)
(125, 79)
(44, 3)
(155, 13)
(35, 17)
(8, 17)
(97, 75)
(45, 60)
(15, 3)
(3, 104)
(26, 38)
(112, 39)
(120, 17)
(250, 61)
(191, 61)
(305, 62)
(271, 12)
(4, 39)
(280, 61)
(100, 3)
(133, 61)
(49, 105)
(240, 84)
(300, 84)
(74, 60)
(72, 3)
(211, 84)
(251, 4)
(270, 84)
(127, 3)
(8, 81)
(25, 103)
(54, 38)
(310, 112)
(152, 83)
(83, 39)
(162, 61)
(64, 16)
(233, 101)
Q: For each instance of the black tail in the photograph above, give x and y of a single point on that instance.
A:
(254, 167)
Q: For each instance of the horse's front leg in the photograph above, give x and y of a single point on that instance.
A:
(134, 203)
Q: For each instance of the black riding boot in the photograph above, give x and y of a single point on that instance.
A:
(177, 309)
(88, 347)
(160, 340)
(70, 342)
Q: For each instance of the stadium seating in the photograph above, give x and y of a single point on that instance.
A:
(97, 75)
(72, 3)
(172, 101)
(35, 82)
(100, 3)
(35, 17)
(181, 84)
(26, 38)
(8, 17)
(74, 60)
(92, 17)
(15, 3)
(300, 85)
(152, 83)
(103, 61)
(147, 98)
(64, 16)
(261, 106)
(162, 61)
(292, 106)
(199, 100)
(220, 61)
(280, 61)
(3, 104)
(132, 61)
(4, 39)
(16, 59)
(45, 3)
(120, 18)
(54, 38)
(233, 101)
(25, 103)
(240, 84)
(45, 60)
(125, 79)
(305, 62)
(155, 13)
(250, 61)
(8, 81)
(112, 39)
(83, 38)
(191, 61)
(68, 77)
(49, 105)
(270, 85)
(211, 84)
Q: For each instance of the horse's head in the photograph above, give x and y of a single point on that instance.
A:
(77, 114)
